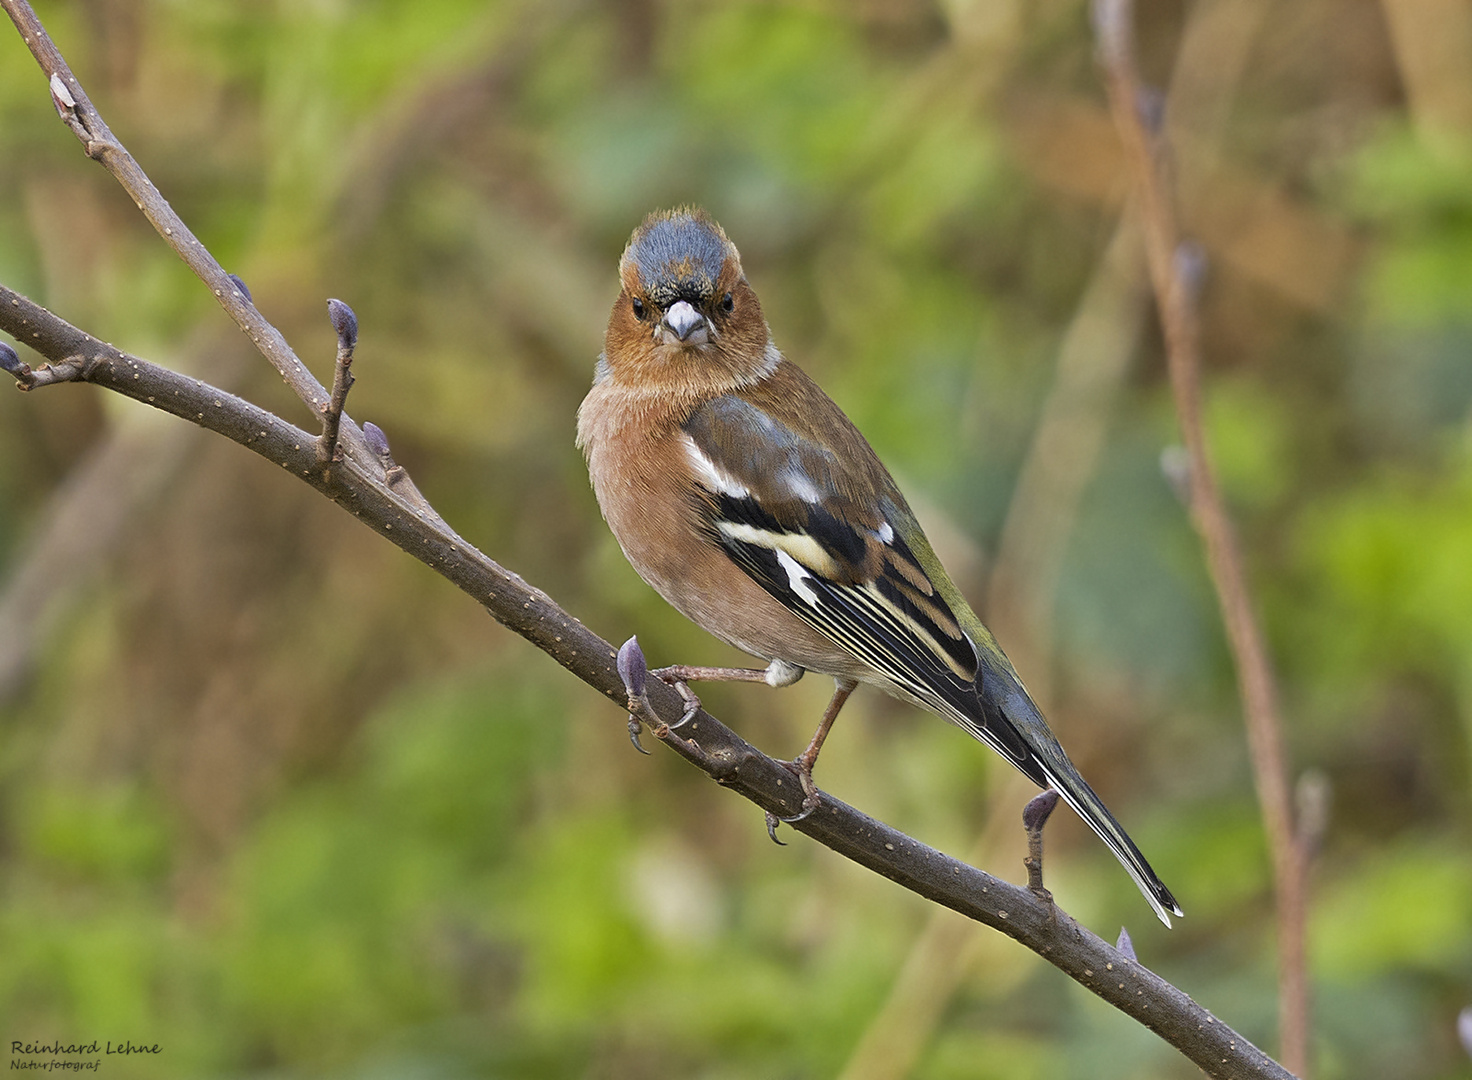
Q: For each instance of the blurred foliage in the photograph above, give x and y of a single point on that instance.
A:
(279, 799)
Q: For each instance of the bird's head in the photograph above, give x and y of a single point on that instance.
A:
(685, 311)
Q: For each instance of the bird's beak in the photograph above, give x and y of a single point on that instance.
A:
(683, 325)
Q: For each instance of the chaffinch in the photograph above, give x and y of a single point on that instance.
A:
(750, 502)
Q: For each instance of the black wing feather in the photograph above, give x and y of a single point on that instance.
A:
(886, 641)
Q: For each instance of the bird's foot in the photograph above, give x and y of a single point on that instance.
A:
(633, 669)
(676, 676)
(811, 796)
(804, 763)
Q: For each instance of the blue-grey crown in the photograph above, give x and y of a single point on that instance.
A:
(679, 256)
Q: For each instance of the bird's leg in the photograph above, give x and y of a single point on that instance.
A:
(680, 676)
(1034, 817)
(805, 761)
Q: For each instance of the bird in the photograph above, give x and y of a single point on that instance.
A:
(746, 498)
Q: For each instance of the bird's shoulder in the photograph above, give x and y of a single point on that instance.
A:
(786, 445)
(780, 467)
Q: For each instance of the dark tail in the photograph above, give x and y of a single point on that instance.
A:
(1076, 793)
(1013, 725)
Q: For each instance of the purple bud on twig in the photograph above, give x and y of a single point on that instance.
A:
(1150, 107)
(1175, 466)
(1125, 945)
(60, 95)
(375, 438)
(1313, 798)
(1190, 266)
(235, 280)
(1035, 813)
(344, 322)
(632, 667)
(11, 362)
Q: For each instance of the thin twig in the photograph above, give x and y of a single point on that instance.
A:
(1034, 816)
(79, 114)
(345, 322)
(28, 378)
(1175, 273)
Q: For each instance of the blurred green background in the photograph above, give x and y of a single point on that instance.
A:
(278, 798)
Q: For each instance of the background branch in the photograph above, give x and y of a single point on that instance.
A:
(1096, 353)
(1175, 272)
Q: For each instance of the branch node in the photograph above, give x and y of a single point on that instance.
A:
(1175, 466)
(1126, 946)
(61, 97)
(1314, 800)
(394, 474)
(1150, 106)
(72, 369)
(378, 443)
(1190, 265)
(25, 378)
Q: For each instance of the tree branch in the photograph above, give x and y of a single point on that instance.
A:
(378, 492)
(78, 113)
(703, 741)
(1175, 274)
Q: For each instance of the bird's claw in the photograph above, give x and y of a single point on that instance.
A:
(635, 727)
(691, 709)
(811, 796)
(772, 822)
(692, 703)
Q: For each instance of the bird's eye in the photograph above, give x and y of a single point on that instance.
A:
(638, 308)
(727, 303)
